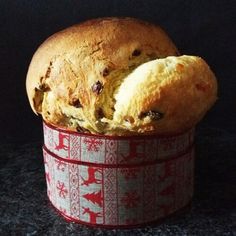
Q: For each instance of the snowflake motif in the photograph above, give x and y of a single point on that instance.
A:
(60, 165)
(61, 189)
(130, 173)
(130, 199)
(93, 144)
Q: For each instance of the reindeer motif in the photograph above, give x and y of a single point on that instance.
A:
(92, 215)
(92, 176)
(133, 151)
(61, 142)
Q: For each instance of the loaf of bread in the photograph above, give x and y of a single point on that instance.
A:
(118, 76)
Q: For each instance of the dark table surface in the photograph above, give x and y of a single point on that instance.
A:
(25, 210)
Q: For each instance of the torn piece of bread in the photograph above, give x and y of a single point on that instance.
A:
(118, 76)
(164, 96)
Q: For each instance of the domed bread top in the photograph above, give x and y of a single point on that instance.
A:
(107, 76)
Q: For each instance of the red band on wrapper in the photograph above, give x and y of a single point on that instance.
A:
(113, 182)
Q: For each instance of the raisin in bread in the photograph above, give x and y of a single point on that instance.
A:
(118, 76)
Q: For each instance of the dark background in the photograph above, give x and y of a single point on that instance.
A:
(203, 28)
(198, 27)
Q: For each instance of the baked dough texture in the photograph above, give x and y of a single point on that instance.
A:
(118, 76)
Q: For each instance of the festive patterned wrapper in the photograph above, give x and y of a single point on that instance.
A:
(117, 181)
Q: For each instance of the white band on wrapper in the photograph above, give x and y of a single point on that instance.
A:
(117, 181)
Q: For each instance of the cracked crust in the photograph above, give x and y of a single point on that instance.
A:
(76, 78)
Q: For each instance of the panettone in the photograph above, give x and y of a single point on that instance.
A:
(118, 76)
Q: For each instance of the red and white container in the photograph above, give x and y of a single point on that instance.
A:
(116, 182)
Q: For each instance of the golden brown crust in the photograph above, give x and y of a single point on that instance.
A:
(75, 76)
